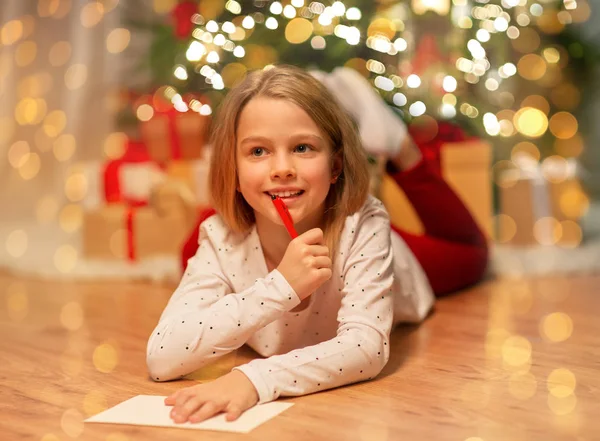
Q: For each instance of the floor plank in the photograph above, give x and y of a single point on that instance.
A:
(507, 360)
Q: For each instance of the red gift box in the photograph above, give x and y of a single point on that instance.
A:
(135, 154)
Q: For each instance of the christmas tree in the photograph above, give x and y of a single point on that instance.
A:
(506, 69)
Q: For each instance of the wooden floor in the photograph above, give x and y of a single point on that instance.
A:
(508, 360)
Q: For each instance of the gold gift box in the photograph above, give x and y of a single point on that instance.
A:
(106, 233)
(466, 167)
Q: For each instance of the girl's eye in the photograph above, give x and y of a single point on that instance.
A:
(303, 148)
(258, 151)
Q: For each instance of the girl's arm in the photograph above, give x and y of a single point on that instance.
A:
(205, 320)
(361, 348)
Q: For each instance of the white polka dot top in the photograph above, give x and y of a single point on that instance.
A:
(227, 298)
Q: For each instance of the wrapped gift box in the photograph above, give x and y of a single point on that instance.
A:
(117, 231)
(174, 135)
(129, 178)
(194, 174)
(541, 206)
(466, 167)
(137, 180)
(173, 196)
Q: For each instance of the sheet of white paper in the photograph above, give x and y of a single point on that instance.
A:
(150, 410)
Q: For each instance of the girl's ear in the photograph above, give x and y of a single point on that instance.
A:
(337, 167)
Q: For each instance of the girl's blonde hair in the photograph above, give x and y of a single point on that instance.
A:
(345, 197)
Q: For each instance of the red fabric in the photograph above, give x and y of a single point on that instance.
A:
(182, 19)
(130, 237)
(191, 244)
(431, 136)
(453, 251)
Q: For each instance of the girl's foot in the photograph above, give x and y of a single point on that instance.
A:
(382, 132)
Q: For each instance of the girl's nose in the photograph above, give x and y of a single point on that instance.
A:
(283, 167)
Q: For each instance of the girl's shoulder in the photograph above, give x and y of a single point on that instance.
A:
(372, 214)
(215, 230)
(372, 208)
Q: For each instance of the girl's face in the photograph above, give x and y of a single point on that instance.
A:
(281, 151)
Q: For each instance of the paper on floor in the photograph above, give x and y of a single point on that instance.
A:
(150, 410)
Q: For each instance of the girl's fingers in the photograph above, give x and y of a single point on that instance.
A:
(172, 399)
(319, 250)
(184, 408)
(208, 410)
(233, 412)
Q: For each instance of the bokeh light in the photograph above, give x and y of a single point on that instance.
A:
(60, 53)
(71, 218)
(54, 123)
(65, 258)
(25, 53)
(47, 8)
(506, 227)
(16, 243)
(494, 342)
(91, 14)
(94, 403)
(298, 30)
(105, 358)
(64, 147)
(556, 327)
(76, 187)
(31, 167)
(17, 301)
(572, 147)
(563, 125)
(572, 234)
(573, 202)
(531, 67)
(527, 42)
(118, 40)
(561, 383)
(115, 144)
(531, 122)
(71, 423)
(537, 102)
(76, 76)
(525, 148)
(71, 316)
(562, 405)
(547, 231)
(516, 350)
(11, 32)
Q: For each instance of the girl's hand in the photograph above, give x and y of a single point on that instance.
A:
(306, 264)
(232, 393)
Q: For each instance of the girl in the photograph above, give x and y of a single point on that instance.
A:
(319, 307)
(453, 252)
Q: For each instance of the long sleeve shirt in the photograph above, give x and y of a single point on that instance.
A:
(228, 298)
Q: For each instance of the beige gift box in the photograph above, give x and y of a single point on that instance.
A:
(118, 232)
(541, 205)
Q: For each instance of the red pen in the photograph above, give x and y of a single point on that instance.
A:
(285, 215)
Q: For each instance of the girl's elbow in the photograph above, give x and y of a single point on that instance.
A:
(160, 368)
